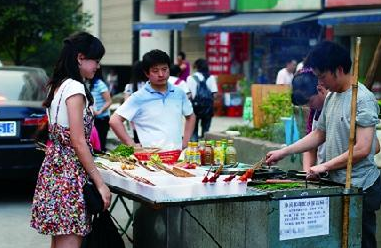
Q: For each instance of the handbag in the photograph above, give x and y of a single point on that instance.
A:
(104, 233)
(93, 199)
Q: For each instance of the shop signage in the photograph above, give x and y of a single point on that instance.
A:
(218, 52)
(249, 5)
(341, 3)
(301, 218)
(191, 6)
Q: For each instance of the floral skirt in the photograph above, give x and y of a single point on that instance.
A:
(58, 204)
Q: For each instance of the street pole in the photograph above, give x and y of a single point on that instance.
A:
(352, 131)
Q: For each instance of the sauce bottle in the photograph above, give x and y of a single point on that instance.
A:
(231, 153)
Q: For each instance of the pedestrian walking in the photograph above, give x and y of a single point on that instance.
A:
(184, 66)
(332, 64)
(176, 81)
(285, 75)
(59, 208)
(102, 101)
(203, 87)
(112, 80)
(157, 110)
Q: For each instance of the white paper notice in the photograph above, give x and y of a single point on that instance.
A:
(300, 218)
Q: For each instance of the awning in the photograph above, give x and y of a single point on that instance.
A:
(170, 24)
(251, 22)
(350, 17)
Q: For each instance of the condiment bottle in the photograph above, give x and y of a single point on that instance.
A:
(231, 153)
(209, 154)
(197, 156)
(201, 150)
(219, 157)
(188, 153)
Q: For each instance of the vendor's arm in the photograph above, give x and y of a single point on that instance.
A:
(117, 125)
(190, 121)
(361, 149)
(309, 159)
(312, 140)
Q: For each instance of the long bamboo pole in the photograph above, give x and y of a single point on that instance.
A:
(352, 131)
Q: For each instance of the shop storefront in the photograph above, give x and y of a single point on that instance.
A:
(257, 45)
(344, 21)
(176, 23)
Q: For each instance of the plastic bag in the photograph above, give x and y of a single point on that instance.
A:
(104, 233)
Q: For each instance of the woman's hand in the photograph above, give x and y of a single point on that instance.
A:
(96, 113)
(106, 196)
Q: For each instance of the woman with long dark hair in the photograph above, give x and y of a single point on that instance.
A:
(59, 208)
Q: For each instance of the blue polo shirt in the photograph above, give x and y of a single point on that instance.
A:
(157, 116)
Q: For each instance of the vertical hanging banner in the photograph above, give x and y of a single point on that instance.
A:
(342, 3)
(191, 6)
(218, 52)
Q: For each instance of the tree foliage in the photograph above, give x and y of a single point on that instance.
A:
(31, 31)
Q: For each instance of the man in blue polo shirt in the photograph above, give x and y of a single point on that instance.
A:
(156, 109)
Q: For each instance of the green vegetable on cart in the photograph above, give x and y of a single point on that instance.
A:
(123, 150)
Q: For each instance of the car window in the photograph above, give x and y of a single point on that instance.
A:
(22, 86)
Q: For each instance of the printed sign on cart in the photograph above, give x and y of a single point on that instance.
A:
(301, 218)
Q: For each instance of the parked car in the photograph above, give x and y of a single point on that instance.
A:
(22, 90)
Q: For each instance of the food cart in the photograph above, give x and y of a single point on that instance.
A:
(184, 212)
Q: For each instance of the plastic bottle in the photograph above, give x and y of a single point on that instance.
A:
(201, 150)
(187, 153)
(231, 153)
(219, 157)
(197, 155)
(209, 154)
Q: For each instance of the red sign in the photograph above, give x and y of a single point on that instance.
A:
(341, 3)
(191, 6)
(218, 52)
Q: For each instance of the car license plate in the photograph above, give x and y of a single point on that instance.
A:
(7, 128)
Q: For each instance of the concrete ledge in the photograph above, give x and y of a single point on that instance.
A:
(252, 150)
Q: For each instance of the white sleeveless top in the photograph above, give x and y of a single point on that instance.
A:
(68, 88)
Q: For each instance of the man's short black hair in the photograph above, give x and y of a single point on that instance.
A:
(174, 70)
(155, 57)
(304, 86)
(182, 55)
(328, 56)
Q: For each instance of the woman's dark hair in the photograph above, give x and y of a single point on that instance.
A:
(182, 55)
(155, 57)
(67, 64)
(98, 75)
(201, 65)
(304, 86)
(328, 56)
(137, 75)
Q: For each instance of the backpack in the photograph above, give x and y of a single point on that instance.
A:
(203, 101)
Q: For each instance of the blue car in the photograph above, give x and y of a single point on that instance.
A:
(22, 90)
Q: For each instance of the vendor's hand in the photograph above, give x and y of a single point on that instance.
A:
(96, 113)
(106, 195)
(321, 168)
(137, 145)
(273, 157)
(315, 171)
